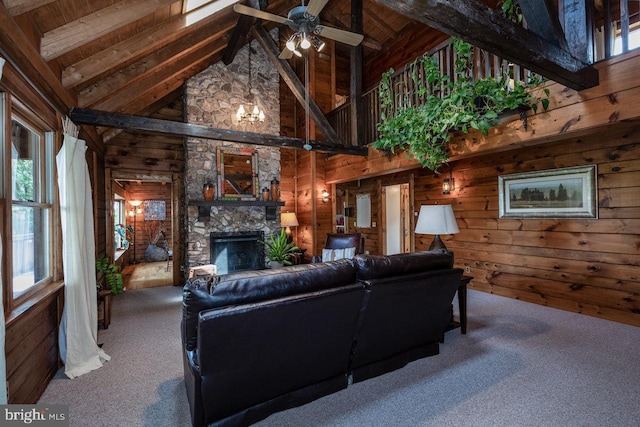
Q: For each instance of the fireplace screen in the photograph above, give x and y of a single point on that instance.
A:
(237, 251)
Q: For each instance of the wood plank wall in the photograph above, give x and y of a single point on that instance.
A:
(589, 266)
(31, 349)
(583, 265)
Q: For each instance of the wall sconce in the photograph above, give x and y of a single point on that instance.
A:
(325, 196)
(448, 184)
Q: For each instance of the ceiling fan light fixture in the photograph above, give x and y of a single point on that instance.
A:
(297, 53)
(292, 43)
(305, 43)
(317, 43)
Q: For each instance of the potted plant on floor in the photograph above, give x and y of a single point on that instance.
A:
(278, 250)
(112, 276)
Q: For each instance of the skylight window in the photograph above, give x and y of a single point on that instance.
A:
(197, 10)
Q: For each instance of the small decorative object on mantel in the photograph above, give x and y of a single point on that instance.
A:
(265, 194)
(275, 189)
(208, 191)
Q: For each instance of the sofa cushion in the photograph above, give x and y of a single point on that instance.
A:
(257, 285)
(378, 266)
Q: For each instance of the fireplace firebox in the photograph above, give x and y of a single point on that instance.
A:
(237, 251)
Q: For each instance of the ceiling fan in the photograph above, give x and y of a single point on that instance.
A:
(305, 23)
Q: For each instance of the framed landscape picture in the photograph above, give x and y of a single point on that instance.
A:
(555, 193)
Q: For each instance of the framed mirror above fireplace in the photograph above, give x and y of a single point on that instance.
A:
(238, 174)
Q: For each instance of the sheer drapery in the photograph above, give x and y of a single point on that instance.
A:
(79, 326)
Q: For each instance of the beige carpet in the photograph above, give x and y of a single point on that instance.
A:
(147, 275)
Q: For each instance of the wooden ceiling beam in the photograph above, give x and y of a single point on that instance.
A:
(207, 38)
(485, 28)
(241, 31)
(167, 127)
(294, 84)
(70, 36)
(18, 7)
(140, 45)
(542, 19)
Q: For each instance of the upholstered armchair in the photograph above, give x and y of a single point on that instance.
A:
(343, 242)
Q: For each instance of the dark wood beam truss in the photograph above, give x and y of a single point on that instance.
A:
(241, 30)
(168, 127)
(295, 85)
(485, 28)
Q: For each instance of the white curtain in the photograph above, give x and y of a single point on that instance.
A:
(79, 326)
(3, 361)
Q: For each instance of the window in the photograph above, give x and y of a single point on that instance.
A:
(119, 223)
(31, 183)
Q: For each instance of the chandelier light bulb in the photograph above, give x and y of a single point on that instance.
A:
(256, 110)
(261, 116)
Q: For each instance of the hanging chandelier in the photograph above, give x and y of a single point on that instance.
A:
(252, 113)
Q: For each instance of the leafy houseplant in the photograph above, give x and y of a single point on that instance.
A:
(111, 274)
(448, 105)
(278, 249)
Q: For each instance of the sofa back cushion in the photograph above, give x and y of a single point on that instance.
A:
(379, 266)
(259, 285)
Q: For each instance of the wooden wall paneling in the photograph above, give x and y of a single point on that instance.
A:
(31, 350)
(582, 265)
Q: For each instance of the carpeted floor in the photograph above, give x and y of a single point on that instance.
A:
(520, 364)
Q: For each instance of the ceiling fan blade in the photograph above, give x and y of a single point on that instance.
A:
(342, 36)
(285, 54)
(245, 10)
(315, 7)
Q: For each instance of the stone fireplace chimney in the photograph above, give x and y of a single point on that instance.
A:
(212, 98)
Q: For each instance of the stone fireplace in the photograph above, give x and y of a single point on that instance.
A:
(212, 98)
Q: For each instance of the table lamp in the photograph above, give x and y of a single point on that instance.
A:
(437, 220)
(288, 220)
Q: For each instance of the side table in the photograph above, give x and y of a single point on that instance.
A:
(462, 302)
(104, 298)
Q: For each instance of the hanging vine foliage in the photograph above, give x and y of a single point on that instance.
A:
(448, 104)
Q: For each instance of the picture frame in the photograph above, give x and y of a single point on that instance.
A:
(554, 193)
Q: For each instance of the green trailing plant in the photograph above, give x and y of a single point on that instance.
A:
(511, 10)
(448, 104)
(279, 249)
(112, 276)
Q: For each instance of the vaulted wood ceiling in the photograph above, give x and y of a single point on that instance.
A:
(132, 56)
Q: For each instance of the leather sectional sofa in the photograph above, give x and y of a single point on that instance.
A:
(258, 342)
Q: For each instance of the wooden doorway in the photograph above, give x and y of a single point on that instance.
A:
(171, 185)
(396, 219)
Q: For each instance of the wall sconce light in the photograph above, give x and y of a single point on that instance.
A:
(448, 184)
(325, 196)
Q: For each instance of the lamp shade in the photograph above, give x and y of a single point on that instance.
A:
(288, 219)
(436, 219)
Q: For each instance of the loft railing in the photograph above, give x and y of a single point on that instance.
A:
(616, 30)
(403, 86)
